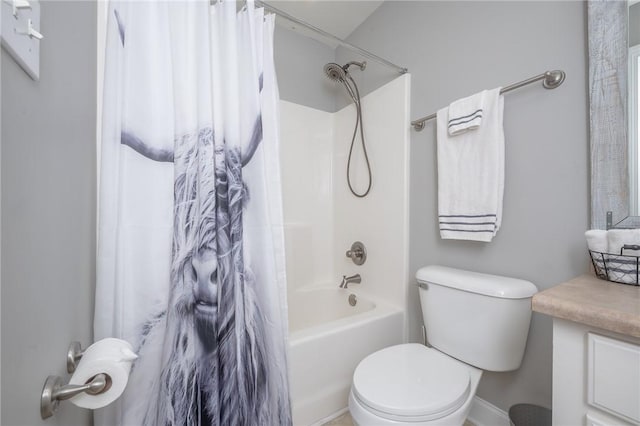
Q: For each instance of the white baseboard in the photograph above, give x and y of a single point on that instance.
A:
(331, 417)
(485, 414)
(482, 413)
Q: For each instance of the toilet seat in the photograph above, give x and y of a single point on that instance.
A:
(411, 383)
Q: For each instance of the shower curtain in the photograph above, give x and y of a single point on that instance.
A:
(191, 251)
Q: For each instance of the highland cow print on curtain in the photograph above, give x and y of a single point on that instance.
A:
(191, 257)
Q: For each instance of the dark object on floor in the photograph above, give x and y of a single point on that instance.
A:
(529, 415)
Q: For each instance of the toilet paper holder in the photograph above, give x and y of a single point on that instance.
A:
(74, 354)
(54, 391)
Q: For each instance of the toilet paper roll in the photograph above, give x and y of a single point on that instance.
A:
(110, 356)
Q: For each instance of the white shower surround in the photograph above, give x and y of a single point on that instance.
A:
(322, 220)
(312, 308)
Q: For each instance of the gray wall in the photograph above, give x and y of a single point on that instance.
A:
(454, 49)
(48, 218)
(300, 62)
(299, 67)
(634, 25)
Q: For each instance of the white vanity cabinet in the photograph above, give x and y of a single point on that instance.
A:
(596, 351)
(596, 376)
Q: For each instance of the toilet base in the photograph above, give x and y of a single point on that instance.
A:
(362, 416)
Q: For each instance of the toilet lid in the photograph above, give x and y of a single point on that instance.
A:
(411, 381)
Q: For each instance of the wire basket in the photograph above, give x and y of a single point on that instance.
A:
(622, 268)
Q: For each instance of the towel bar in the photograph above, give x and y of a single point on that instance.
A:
(551, 80)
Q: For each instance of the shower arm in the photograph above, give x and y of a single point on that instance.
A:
(361, 65)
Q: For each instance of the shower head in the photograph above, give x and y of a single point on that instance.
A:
(335, 72)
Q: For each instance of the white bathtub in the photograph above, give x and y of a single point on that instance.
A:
(327, 340)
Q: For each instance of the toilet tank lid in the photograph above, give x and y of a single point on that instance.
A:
(475, 282)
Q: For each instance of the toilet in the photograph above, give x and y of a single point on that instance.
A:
(474, 322)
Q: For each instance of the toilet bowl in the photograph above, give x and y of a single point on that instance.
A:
(422, 387)
(412, 384)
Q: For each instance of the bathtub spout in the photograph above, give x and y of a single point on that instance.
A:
(348, 280)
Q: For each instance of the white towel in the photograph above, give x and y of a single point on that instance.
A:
(597, 240)
(617, 238)
(471, 175)
(466, 114)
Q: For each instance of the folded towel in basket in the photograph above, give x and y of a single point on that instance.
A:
(597, 240)
(617, 238)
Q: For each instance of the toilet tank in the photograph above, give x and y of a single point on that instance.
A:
(480, 319)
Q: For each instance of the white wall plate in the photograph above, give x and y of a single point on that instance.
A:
(24, 48)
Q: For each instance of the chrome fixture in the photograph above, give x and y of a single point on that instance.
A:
(362, 65)
(550, 80)
(74, 354)
(337, 72)
(353, 279)
(358, 253)
(353, 299)
(340, 74)
(53, 392)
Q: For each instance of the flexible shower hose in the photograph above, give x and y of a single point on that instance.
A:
(356, 100)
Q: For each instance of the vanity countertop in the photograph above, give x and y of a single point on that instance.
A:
(595, 302)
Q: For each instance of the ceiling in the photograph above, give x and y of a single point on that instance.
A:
(339, 18)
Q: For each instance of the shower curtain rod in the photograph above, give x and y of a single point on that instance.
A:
(552, 79)
(330, 36)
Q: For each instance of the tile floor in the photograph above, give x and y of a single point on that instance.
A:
(345, 420)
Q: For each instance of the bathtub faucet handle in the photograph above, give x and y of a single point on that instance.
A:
(354, 253)
(356, 279)
(358, 253)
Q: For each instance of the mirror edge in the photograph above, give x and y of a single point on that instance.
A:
(608, 45)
